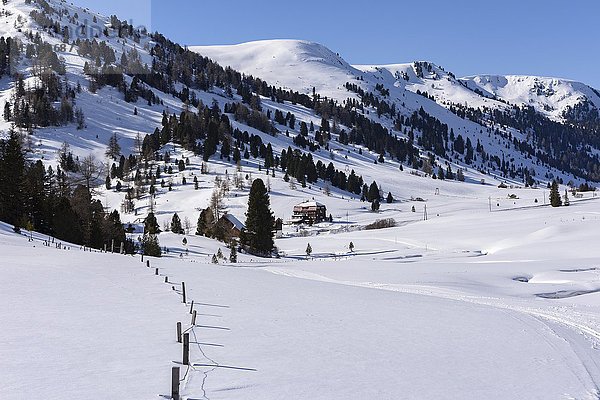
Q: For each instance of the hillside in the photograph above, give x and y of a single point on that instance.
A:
(477, 110)
(302, 65)
(292, 64)
(440, 270)
(550, 96)
(449, 310)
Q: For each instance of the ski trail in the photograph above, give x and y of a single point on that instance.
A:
(559, 321)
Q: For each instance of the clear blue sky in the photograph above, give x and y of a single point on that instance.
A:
(552, 38)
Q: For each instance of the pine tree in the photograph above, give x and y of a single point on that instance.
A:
(555, 199)
(151, 224)
(303, 129)
(65, 222)
(150, 245)
(259, 220)
(7, 112)
(233, 254)
(308, 250)
(373, 193)
(114, 228)
(375, 205)
(12, 167)
(176, 225)
(390, 198)
(205, 222)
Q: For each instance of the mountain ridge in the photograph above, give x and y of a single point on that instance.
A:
(249, 57)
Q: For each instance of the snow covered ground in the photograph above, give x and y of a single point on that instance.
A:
(470, 304)
(80, 325)
(495, 295)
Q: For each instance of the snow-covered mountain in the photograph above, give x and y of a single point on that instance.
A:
(476, 288)
(294, 64)
(302, 65)
(469, 106)
(550, 96)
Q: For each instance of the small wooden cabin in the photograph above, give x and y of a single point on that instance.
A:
(230, 225)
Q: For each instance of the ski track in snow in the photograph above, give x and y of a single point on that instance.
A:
(558, 322)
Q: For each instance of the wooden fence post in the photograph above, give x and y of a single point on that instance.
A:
(166, 279)
(156, 271)
(186, 349)
(175, 383)
(142, 257)
(183, 292)
(179, 332)
(194, 318)
(192, 307)
(147, 263)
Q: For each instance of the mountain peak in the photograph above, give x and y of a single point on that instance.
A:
(294, 64)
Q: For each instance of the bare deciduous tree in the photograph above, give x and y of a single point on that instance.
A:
(91, 172)
(187, 225)
(216, 202)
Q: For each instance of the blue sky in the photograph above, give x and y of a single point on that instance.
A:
(550, 38)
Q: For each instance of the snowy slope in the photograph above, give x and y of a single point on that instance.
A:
(106, 112)
(292, 63)
(478, 292)
(550, 96)
(427, 310)
(82, 325)
(287, 63)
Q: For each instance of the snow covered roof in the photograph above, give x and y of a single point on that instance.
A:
(311, 204)
(236, 222)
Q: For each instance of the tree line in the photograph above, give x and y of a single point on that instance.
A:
(47, 201)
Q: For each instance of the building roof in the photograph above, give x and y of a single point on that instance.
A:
(236, 222)
(310, 204)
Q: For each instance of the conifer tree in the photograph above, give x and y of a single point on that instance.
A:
(205, 222)
(258, 235)
(151, 224)
(113, 150)
(303, 129)
(375, 205)
(176, 225)
(390, 198)
(233, 254)
(373, 193)
(150, 245)
(555, 199)
(12, 167)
